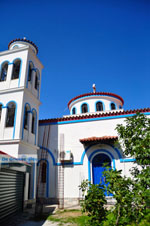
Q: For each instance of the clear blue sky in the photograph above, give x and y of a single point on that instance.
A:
(106, 42)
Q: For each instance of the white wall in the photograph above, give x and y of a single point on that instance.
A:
(74, 174)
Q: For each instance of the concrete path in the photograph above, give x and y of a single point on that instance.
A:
(38, 223)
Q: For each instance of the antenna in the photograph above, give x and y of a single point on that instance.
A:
(94, 88)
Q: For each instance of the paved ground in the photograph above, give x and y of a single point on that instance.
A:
(27, 218)
(38, 223)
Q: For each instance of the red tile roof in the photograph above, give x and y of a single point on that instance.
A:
(98, 94)
(23, 40)
(104, 138)
(97, 115)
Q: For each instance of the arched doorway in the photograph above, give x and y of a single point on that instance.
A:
(98, 168)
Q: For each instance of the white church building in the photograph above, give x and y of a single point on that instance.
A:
(54, 155)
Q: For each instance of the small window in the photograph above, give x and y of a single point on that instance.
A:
(84, 108)
(43, 174)
(10, 114)
(99, 106)
(16, 69)
(26, 118)
(30, 72)
(4, 70)
(36, 86)
(113, 106)
(0, 110)
(33, 128)
(73, 111)
(120, 107)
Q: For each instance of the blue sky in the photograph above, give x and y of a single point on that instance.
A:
(106, 42)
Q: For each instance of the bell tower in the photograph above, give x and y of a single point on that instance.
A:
(20, 81)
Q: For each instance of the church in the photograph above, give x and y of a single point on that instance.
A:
(48, 159)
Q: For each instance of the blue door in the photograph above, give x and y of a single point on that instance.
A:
(98, 168)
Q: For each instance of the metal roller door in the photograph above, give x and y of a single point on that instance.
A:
(11, 192)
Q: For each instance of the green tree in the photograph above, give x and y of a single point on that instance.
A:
(132, 194)
(94, 203)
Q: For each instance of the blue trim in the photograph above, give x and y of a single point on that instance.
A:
(47, 175)
(35, 126)
(15, 46)
(82, 156)
(12, 101)
(33, 180)
(117, 150)
(84, 152)
(91, 119)
(95, 96)
(99, 151)
(28, 73)
(50, 153)
(4, 107)
(114, 104)
(102, 104)
(72, 111)
(127, 160)
(88, 108)
(10, 63)
(24, 118)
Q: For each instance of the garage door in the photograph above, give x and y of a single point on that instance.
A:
(11, 192)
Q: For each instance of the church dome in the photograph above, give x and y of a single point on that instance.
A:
(95, 102)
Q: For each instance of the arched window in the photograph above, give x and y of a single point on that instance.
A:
(113, 106)
(73, 111)
(26, 117)
(36, 85)
(10, 114)
(30, 72)
(4, 70)
(84, 108)
(33, 128)
(16, 69)
(120, 107)
(43, 174)
(99, 106)
(0, 110)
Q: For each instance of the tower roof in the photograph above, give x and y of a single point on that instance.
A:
(23, 40)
